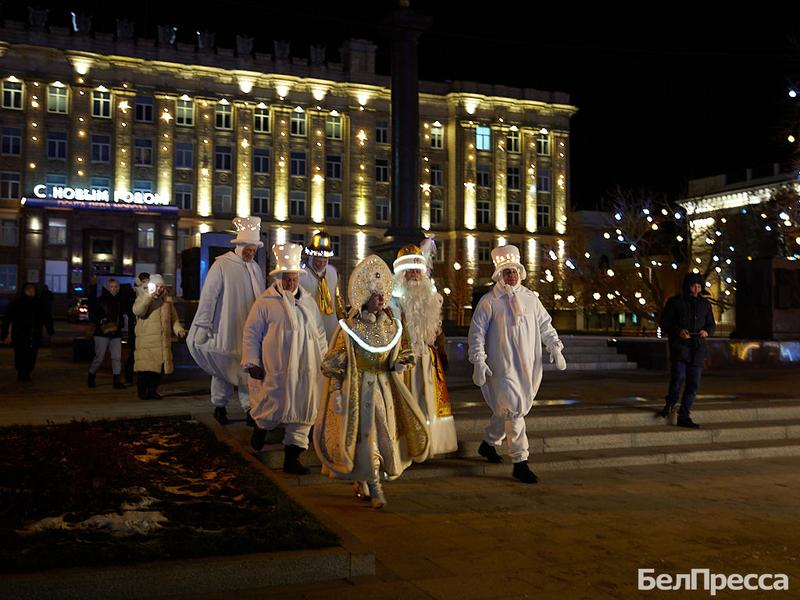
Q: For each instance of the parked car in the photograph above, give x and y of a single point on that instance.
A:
(78, 311)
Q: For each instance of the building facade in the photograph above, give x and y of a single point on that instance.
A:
(118, 153)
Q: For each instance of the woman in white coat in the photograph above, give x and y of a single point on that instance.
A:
(508, 328)
(283, 345)
(231, 286)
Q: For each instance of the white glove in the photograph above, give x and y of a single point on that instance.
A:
(338, 402)
(557, 357)
(201, 335)
(479, 373)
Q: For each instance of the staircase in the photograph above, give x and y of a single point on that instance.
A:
(588, 353)
(581, 438)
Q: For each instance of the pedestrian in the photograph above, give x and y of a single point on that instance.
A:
(322, 281)
(108, 321)
(368, 422)
(506, 335)
(283, 345)
(231, 287)
(419, 306)
(25, 319)
(139, 286)
(156, 322)
(688, 320)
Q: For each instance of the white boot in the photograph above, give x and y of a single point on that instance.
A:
(377, 499)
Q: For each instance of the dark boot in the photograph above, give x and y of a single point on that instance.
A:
(250, 421)
(523, 472)
(90, 380)
(118, 385)
(664, 412)
(291, 462)
(687, 422)
(141, 385)
(489, 452)
(258, 438)
(221, 415)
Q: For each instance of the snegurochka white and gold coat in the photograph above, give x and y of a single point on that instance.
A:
(374, 422)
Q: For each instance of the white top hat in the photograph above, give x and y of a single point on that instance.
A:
(157, 279)
(507, 257)
(287, 258)
(248, 231)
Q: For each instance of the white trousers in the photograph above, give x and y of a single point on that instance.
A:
(296, 434)
(222, 392)
(513, 430)
(101, 344)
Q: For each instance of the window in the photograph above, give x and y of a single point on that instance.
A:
(144, 109)
(483, 138)
(512, 178)
(261, 161)
(483, 176)
(183, 196)
(333, 127)
(184, 112)
(542, 217)
(185, 240)
(143, 152)
(513, 141)
(261, 201)
(298, 123)
(298, 164)
(381, 170)
(335, 245)
(56, 232)
(8, 278)
(333, 167)
(184, 155)
(297, 204)
(383, 209)
(147, 235)
(9, 186)
(9, 235)
(57, 99)
(57, 145)
(261, 119)
(12, 95)
(437, 212)
(223, 158)
(297, 238)
(483, 210)
(513, 213)
(55, 275)
(543, 181)
(101, 183)
(484, 252)
(333, 206)
(53, 179)
(101, 148)
(223, 115)
(436, 175)
(143, 186)
(543, 144)
(381, 132)
(11, 142)
(222, 203)
(101, 104)
(437, 136)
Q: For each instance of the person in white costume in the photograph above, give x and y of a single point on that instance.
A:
(419, 305)
(231, 286)
(508, 328)
(368, 421)
(322, 281)
(284, 342)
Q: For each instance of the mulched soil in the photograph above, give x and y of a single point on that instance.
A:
(111, 492)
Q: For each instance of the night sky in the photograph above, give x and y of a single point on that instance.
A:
(663, 97)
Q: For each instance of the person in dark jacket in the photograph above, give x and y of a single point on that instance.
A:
(108, 321)
(26, 317)
(688, 320)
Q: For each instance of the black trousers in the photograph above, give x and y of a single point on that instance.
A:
(687, 376)
(24, 360)
(147, 383)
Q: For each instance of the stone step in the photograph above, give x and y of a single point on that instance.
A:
(548, 419)
(642, 437)
(593, 366)
(568, 461)
(584, 357)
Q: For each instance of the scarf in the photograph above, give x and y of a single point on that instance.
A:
(252, 270)
(288, 305)
(324, 300)
(511, 291)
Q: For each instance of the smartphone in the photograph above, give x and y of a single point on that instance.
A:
(151, 287)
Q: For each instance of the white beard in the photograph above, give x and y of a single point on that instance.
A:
(422, 309)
